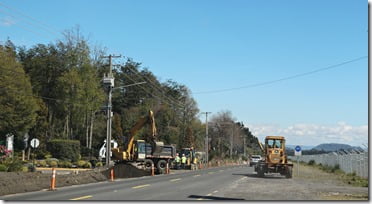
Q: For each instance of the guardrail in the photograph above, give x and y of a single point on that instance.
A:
(349, 162)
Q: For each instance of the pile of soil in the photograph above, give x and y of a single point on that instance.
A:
(20, 182)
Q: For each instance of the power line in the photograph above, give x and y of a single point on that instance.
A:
(41, 25)
(154, 95)
(157, 87)
(282, 79)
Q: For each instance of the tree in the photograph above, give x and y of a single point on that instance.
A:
(17, 103)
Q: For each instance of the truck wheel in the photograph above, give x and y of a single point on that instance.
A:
(148, 163)
(260, 171)
(161, 165)
(289, 172)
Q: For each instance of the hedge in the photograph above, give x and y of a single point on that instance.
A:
(64, 149)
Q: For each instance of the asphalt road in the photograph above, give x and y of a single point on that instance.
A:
(193, 185)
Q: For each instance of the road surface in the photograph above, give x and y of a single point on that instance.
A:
(192, 185)
(221, 183)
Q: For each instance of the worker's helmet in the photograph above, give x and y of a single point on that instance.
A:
(177, 154)
(183, 154)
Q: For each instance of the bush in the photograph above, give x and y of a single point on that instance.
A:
(87, 165)
(52, 162)
(80, 163)
(99, 164)
(41, 163)
(25, 169)
(65, 164)
(64, 149)
(42, 154)
(311, 162)
(15, 165)
(3, 167)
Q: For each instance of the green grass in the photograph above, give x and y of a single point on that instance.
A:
(351, 179)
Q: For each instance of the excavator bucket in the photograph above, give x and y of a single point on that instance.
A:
(157, 147)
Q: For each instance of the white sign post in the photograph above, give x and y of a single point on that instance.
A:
(34, 144)
(298, 154)
(9, 143)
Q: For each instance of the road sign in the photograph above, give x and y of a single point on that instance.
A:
(297, 151)
(35, 143)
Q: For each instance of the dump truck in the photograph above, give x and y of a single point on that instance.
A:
(145, 153)
(275, 158)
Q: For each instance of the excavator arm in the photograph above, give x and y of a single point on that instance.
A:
(128, 151)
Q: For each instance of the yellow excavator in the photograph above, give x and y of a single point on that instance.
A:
(275, 160)
(146, 152)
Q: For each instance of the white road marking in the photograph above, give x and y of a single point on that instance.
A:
(177, 179)
(141, 186)
(81, 198)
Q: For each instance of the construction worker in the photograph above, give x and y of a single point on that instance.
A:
(178, 159)
(183, 161)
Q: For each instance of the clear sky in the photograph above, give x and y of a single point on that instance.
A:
(220, 44)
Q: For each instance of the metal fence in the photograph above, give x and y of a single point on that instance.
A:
(349, 162)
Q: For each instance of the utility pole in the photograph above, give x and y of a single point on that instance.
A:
(206, 135)
(244, 146)
(108, 81)
(231, 140)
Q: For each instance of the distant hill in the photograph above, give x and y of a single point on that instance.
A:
(330, 147)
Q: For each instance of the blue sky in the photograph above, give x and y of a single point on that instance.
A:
(214, 45)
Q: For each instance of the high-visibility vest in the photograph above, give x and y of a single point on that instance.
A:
(177, 159)
(183, 160)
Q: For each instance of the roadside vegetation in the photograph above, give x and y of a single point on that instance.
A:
(349, 178)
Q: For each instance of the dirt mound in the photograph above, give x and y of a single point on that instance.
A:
(128, 171)
(20, 182)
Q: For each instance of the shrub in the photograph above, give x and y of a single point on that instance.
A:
(15, 165)
(41, 163)
(87, 165)
(99, 164)
(25, 169)
(64, 149)
(52, 162)
(311, 162)
(81, 163)
(65, 164)
(3, 167)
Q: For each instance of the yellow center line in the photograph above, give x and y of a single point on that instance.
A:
(197, 175)
(141, 186)
(81, 198)
(175, 179)
(209, 194)
(200, 199)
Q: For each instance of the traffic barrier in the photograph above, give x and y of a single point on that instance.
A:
(112, 174)
(53, 181)
(152, 170)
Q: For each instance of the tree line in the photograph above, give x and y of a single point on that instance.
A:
(55, 91)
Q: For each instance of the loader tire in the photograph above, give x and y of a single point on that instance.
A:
(289, 172)
(148, 163)
(161, 165)
(260, 171)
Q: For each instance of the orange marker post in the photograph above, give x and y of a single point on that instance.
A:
(112, 174)
(53, 180)
(152, 170)
(167, 169)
